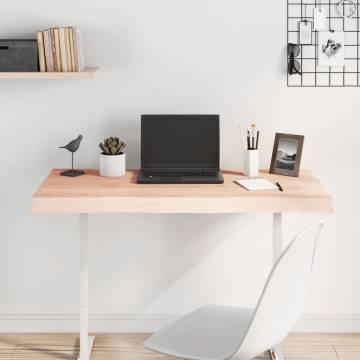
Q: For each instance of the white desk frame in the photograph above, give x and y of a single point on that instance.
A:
(276, 353)
(86, 341)
(93, 194)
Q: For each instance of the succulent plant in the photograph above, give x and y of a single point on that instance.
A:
(112, 146)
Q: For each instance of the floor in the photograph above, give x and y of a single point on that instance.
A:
(128, 346)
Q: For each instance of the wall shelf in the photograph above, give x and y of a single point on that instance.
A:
(87, 73)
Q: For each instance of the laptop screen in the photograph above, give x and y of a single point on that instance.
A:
(180, 141)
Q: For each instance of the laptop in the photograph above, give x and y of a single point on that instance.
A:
(180, 149)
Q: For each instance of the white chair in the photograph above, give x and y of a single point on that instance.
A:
(220, 332)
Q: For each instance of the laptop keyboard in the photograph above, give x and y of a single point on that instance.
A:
(176, 173)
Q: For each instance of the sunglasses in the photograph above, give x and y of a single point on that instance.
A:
(293, 65)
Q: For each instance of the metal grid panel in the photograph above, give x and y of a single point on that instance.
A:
(312, 74)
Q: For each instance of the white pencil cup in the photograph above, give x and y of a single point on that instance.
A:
(251, 163)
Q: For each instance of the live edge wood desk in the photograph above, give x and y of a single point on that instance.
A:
(94, 194)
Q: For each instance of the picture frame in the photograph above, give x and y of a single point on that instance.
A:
(286, 156)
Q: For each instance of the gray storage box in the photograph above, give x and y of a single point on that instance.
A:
(18, 55)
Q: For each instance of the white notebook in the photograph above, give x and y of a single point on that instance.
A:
(256, 183)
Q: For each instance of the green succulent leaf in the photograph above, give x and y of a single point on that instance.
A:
(112, 146)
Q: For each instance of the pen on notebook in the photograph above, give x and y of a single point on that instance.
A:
(279, 186)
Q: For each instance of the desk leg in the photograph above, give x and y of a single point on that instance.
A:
(277, 236)
(276, 352)
(86, 341)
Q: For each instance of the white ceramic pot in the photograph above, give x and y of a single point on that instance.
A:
(112, 165)
(251, 163)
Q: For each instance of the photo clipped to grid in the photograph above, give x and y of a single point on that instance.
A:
(323, 43)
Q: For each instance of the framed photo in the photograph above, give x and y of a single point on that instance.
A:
(286, 154)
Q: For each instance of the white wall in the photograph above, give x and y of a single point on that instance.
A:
(164, 56)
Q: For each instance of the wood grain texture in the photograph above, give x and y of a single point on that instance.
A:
(87, 73)
(304, 346)
(348, 351)
(6, 354)
(94, 194)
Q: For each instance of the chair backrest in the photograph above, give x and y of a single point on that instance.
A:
(283, 298)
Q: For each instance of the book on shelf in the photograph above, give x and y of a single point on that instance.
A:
(62, 39)
(67, 47)
(57, 49)
(47, 50)
(53, 50)
(72, 55)
(61, 50)
(78, 45)
(41, 52)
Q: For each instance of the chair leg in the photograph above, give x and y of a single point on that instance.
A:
(276, 353)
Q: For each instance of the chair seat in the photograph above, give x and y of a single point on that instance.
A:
(209, 333)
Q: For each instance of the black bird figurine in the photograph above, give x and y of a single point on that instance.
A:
(72, 146)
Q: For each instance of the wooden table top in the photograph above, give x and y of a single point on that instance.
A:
(91, 193)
